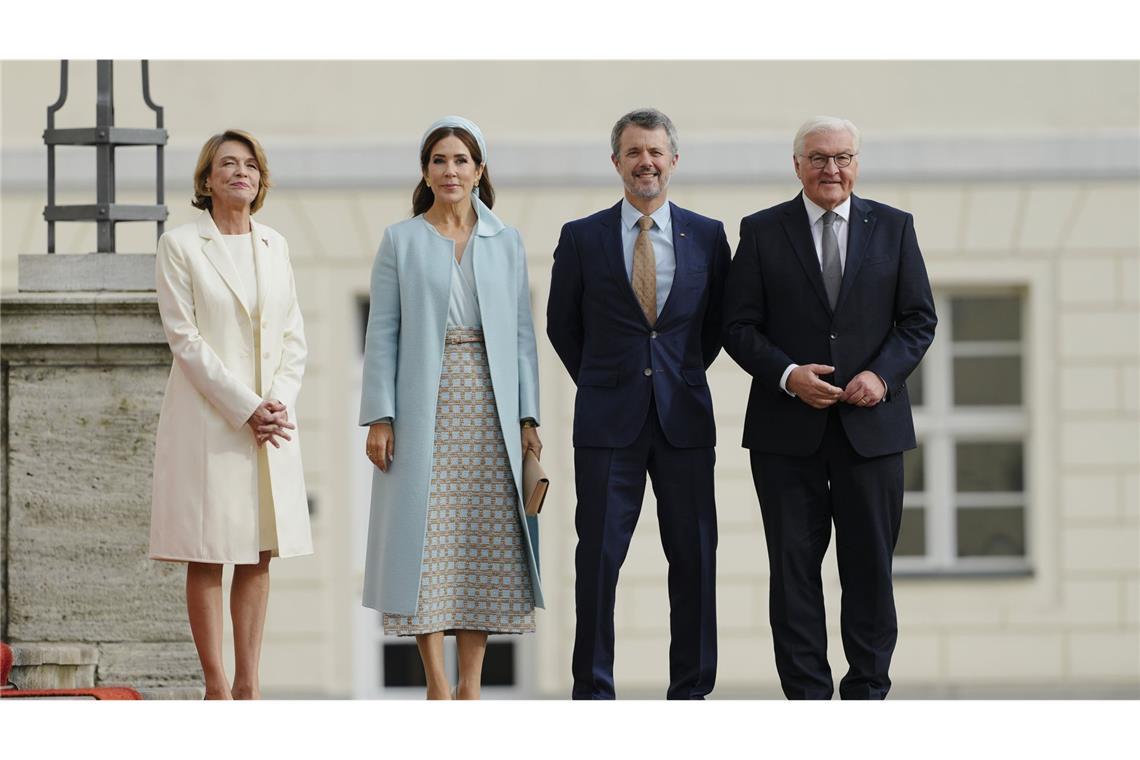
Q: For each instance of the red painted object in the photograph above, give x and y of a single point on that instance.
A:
(99, 692)
(5, 663)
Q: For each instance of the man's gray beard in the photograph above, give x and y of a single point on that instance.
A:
(661, 186)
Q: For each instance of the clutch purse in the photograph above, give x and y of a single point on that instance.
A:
(535, 484)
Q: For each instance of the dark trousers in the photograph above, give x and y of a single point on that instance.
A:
(800, 498)
(610, 485)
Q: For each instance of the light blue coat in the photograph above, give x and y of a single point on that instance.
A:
(403, 358)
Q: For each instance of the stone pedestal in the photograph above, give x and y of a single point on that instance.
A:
(83, 378)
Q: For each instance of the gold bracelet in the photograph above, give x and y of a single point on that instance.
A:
(529, 423)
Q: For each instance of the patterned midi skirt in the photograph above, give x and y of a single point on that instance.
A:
(475, 574)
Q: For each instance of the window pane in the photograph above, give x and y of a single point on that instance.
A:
(991, 532)
(990, 466)
(499, 664)
(914, 386)
(987, 381)
(914, 477)
(979, 318)
(912, 534)
(402, 665)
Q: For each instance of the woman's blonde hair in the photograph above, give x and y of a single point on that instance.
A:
(205, 164)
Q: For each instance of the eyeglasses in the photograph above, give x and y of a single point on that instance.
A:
(819, 160)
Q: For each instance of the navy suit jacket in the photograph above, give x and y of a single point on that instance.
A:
(777, 313)
(599, 331)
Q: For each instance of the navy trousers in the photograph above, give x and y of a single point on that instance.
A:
(800, 497)
(610, 485)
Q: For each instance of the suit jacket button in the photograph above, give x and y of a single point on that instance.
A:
(653, 335)
(834, 336)
(647, 372)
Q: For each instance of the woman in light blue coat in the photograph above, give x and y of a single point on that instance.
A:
(451, 374)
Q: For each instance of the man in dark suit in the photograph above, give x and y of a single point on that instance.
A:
(828, 307)
(635, 315)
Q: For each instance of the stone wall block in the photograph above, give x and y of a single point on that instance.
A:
(81, 446)
(149, 665)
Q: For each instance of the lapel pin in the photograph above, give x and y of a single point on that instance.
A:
(865, 220)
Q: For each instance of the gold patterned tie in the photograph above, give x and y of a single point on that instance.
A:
(644, 277)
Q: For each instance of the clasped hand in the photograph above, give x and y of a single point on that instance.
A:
(865, 389)
(269, 422)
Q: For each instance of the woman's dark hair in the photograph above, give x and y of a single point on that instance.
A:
(422, 196)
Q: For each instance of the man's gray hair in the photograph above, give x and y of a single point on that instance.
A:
(647, 118)
(825, 124)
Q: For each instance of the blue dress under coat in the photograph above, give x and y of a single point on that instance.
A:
(403, 358)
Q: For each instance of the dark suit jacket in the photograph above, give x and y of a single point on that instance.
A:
(777, 313)
(601, 335)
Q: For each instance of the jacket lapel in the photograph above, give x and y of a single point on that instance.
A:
(488, 279)
(859, 229)
(262, 261)
(214, 249)
(679, 222)
(614, 254)
(798, 229)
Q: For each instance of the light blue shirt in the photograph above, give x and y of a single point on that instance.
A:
(662, 238)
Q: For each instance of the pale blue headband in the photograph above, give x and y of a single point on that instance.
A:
(465, 124)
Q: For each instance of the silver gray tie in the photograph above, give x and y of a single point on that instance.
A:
(832, 269)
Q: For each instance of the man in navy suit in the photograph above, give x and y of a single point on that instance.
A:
(635, 315)
(829, 308)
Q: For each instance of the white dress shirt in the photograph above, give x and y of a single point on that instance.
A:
(661, 235)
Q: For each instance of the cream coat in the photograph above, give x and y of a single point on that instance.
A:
(205, 498)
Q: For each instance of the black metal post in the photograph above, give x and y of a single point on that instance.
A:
(58, 104)
(104, 155)
(160, 173)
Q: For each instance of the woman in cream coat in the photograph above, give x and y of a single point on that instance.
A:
(451, 399)
(228, 483)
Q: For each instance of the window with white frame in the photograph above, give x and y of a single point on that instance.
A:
(965, 506)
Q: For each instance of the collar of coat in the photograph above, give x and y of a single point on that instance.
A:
(207, 228)
(214, 249)
(489, 224)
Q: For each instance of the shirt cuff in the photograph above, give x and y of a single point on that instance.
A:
(784, 379)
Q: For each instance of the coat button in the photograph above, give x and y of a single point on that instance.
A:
(653, 335)
(647, 372)
(834, 336)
